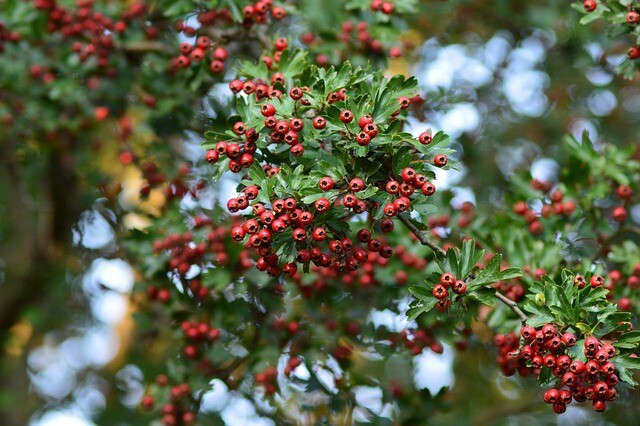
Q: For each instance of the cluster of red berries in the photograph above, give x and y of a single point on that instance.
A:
(441, 290)
(259, 11)
(177, 411)
(509, 358)
(593, 380)
(619, 213)
(364, 38)
(411, 181)
(260, 89)
(556, 207)
(417, 341)
(197, 333)
(285, 214)
(7, 36)
(467, 214)
(386, 7)
(240, 153)
(365, 275)
(198, 53)
(632, 18)
(512, 289)
(93, 32)
(44, 74)
(268, 379)
(280, 44)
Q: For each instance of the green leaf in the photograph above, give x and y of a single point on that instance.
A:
(421, 292)
(416, 308)
(488, 275)
(484, 295)
(469, 257)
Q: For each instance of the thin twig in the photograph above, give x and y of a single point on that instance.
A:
(436, 248)
(512, 305)
(424, 240)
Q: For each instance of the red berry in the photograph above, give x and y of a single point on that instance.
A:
(599, 405)
(212, 156)
(633, 52)
(268, 110)
(459, 287)
(440, 160)
(619, 214)
(319, 234)
(408, 174)
(364, 235)
(296, 93)
(346, 116)
(551, 396)
(356, 185)
(239, 128)
(439, 291)
(596, 281)
(589, 5)
(390, 210)
(364, 120)
(624, 191)
(388, 8)
(363, 139)
(326, 183)
(392, 187)
(319, 123)
(633, 17)
(428, 189)
(322, 204)
(425, 138)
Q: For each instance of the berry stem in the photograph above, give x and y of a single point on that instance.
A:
(512, 305)
(424, 240)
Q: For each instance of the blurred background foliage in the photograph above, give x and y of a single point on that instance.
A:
(506, 79)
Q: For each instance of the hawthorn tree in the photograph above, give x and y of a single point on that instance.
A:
(340, 210)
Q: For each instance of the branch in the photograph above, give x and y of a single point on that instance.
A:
(424, 239)
(512, 305)
(436, 248)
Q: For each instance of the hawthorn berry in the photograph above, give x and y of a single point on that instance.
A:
(212, 156)
(589, 5)
(439, 291)
(619, 214)
(356, 184)
(268, 110)
(319, 234)
(319, 123)
(363, 139)
(364, 120)
(346, 116)
(425, 138)
(326, 183)
(440, 160)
